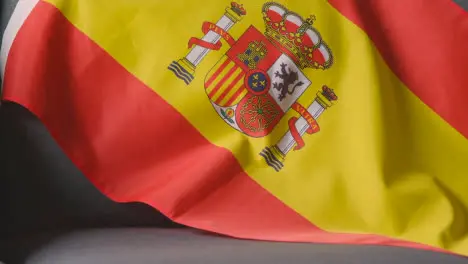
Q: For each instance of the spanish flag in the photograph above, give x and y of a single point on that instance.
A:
(339, 121)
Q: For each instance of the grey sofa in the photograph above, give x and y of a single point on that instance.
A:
(51, 214)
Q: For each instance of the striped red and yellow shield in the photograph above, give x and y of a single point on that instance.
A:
(224, 83)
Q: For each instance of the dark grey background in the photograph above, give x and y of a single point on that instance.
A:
(50, 213)
(462, 3)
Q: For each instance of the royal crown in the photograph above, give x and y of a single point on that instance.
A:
(238, 8)
(296, 37)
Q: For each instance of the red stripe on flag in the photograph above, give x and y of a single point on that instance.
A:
(425, 44)
(217, 72)
(134, 146)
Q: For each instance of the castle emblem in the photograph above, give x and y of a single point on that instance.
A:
(260, 78)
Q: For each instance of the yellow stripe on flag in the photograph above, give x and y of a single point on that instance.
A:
(383, 161)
